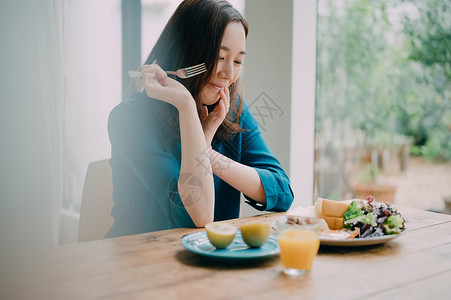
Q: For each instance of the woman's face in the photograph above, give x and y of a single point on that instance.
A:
(229, 65)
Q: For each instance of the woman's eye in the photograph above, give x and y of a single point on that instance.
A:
(237, 62)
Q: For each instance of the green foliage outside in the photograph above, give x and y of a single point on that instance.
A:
(384, 71)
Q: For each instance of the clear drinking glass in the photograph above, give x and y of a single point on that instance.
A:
(298, 239)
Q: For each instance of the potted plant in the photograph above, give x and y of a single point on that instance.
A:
(367, 185)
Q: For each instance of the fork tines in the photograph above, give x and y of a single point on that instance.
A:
(195, 70)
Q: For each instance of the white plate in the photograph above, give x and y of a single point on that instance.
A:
(360, 242)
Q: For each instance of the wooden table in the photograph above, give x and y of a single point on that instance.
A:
(417, 265)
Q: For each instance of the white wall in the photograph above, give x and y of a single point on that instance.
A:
(268, 70)
(303, 101)
(281, 64)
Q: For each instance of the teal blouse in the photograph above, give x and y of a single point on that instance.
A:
(145, 159)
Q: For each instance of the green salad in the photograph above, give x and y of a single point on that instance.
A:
(373, 218)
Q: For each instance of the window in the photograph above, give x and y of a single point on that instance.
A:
(383, 101)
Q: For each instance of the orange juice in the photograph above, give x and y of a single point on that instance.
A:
(298, 248)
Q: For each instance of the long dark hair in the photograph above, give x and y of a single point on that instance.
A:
(192, 36)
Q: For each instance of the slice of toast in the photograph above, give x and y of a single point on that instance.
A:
(331, 208)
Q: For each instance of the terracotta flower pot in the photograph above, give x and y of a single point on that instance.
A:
(382, 193)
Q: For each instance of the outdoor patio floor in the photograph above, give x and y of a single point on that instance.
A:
(423, 185)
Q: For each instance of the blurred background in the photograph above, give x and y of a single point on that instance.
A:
(383, 101)
(353, 97)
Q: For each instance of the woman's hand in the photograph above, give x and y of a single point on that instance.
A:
(211, 121)
(159, 86)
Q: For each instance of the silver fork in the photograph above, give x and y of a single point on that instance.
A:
(181, 73)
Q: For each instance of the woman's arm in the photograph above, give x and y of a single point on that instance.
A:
(198, 203)
(195, 185)
(241, 177)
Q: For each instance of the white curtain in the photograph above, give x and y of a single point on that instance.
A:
(31, 134)
(31, 139)
(92, 56)
(60, 78)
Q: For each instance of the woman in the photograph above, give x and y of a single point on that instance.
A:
(184, 149)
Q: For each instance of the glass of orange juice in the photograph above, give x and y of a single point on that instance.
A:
(299, 243)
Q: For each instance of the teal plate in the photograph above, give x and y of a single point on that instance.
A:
(237, 250)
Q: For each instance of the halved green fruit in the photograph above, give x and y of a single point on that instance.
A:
(220, 234)
(255, 235)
